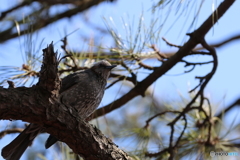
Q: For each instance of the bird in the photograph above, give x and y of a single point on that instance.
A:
(82, 91)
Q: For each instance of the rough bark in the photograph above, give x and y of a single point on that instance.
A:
(38, 104)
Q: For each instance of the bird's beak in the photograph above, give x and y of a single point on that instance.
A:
(111, 67)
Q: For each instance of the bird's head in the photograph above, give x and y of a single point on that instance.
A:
(103, 68)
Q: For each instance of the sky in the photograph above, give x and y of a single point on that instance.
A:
(224, 86)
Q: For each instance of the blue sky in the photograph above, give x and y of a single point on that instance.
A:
(224, 87)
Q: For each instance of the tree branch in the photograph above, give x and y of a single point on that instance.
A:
(42, 20)
(39, 105)
(225, 110)
(195, 38)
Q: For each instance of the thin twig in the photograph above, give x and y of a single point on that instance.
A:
(170, 44)
(156, 115)
(161, 55)
(10, 131)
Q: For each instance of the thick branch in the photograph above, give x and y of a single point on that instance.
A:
(24, 3)
(39, 105)
(28, 104)
(49, 79)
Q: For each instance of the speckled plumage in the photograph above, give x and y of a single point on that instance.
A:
(82, 91)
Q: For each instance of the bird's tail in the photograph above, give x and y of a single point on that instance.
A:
(15, 149)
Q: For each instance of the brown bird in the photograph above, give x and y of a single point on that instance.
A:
(82, 91)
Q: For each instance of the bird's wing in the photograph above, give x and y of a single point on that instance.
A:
(70, 80)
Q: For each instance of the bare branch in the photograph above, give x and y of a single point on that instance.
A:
(228, 108)
(170, 44)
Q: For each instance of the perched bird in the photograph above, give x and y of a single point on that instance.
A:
(82, 91)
